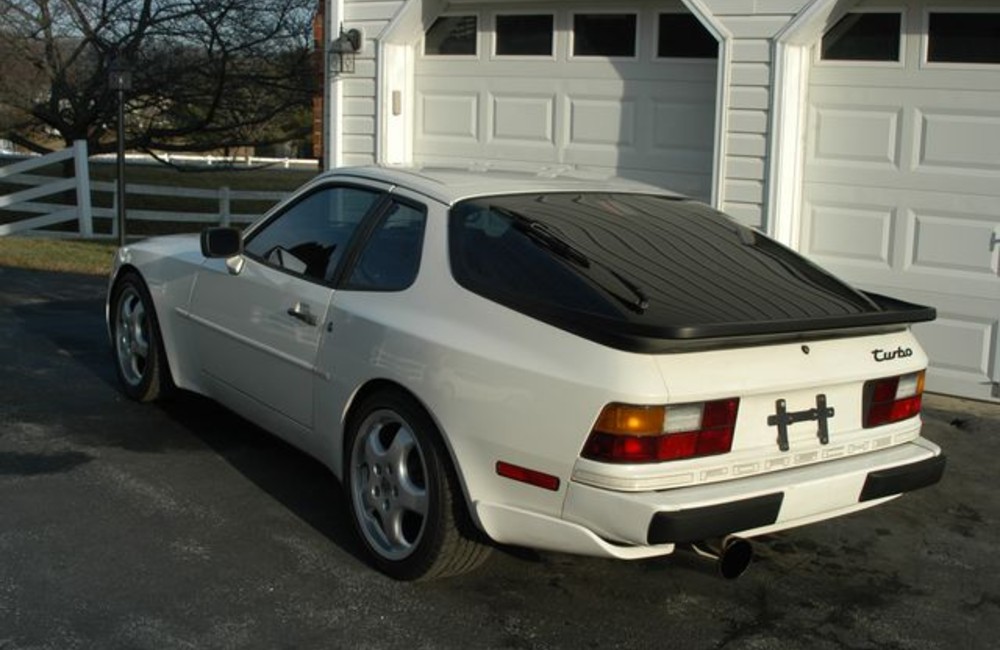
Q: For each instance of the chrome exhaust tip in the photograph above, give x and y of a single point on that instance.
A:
(732, 555)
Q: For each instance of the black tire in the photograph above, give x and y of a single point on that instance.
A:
(136, 342)
(404, 498)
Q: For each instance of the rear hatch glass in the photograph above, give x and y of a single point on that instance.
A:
(643, 272)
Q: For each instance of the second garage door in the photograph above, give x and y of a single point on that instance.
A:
(902, 172)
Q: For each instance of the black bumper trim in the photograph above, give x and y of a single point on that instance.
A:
(698, 524)
(905, 478)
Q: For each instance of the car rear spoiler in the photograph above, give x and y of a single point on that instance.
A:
(887, 315)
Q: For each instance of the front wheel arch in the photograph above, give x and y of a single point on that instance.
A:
(159, 385)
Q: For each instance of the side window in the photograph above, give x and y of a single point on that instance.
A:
(452, 35)
(391, 258)
(868, 36)
(311, 236)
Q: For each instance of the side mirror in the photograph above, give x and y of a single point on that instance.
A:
(221, 242)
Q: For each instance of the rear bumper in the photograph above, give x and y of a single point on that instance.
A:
(695, 524)
(631, 525)
(755, 505)
(905, 478)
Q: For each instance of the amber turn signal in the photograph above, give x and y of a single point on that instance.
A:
(631, 420)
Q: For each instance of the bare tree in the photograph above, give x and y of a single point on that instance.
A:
(206, 74)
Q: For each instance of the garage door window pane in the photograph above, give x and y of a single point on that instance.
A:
(683, 36)
(524, 35)
(964, 38)
(863, 37)
(604, 35)
(452, 35)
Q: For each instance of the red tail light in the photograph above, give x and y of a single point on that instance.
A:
(626, 433)
(893, 399)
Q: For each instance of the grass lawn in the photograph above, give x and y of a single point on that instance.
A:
(67, 255)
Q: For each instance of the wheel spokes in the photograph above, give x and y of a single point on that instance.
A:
(140, 330)
(411, 494)
(388, 485)
(133, 341)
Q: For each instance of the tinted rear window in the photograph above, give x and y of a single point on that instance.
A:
(637, 265)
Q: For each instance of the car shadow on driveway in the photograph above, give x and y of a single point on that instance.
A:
(54, 344)
(300, 483)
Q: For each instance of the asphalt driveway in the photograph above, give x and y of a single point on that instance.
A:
(184, 526)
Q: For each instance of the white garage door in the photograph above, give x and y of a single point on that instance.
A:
(902, 172)
(626, 89)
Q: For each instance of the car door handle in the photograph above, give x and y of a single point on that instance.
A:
(301, 312)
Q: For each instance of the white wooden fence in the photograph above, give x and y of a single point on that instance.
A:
(41, 187)
(83, 212)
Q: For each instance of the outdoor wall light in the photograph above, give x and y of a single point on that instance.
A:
(343, 50)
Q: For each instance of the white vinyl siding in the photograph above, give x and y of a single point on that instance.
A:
(753, 23)
(359, 105)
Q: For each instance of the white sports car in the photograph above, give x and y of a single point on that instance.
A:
(594, 367)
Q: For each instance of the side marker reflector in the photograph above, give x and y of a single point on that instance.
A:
(529, 476)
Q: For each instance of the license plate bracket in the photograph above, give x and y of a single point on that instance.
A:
(783, 418)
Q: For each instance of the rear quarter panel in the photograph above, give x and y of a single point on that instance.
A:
(500, 385)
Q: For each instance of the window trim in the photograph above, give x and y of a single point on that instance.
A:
(656, 58)
(494, 39)
(624, 11)
(454, 57)
(925, 39)
(900, 63)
